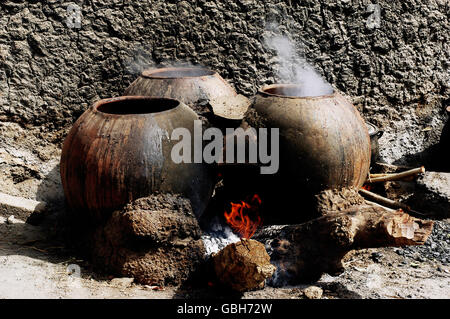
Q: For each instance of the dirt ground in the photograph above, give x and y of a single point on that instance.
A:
(31, 266)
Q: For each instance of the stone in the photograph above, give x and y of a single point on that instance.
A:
(156, 240)
(20, 207)
(243, 266)
(313, 292)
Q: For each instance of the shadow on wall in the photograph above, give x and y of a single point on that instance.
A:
(50, 191)
(432, 158)
(33, 238)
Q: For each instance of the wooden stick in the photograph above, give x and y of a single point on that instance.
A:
(405, 207)
(372, 176)
(379, 205)
(377, 175)
(383, 200)
(396, 176)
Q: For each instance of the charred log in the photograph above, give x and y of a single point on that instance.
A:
(303, 252)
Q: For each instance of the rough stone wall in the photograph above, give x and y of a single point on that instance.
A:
(397, 73)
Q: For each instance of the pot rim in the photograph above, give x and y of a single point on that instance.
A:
(101, 102)
(262, 91)
(153, 73)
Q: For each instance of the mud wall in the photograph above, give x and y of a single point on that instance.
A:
(396, 68)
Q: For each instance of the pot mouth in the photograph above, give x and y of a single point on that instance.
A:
(177, 72)
(135, 105)
(291, 91)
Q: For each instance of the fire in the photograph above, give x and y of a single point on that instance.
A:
(239, 217)
(367, 187)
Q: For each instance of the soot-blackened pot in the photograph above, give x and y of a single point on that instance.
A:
(120, 150)
(324, 142)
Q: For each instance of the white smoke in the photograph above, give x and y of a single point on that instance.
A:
(293, 68)
(141, 59)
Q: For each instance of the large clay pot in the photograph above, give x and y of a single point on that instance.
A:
(192, 86)
(120, 150)
(324, 142)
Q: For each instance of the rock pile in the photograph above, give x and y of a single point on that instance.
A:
(155, 240)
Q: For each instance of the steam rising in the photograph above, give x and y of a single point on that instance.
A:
(141, 59)
(293, 68)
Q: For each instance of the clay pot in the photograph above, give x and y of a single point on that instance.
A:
(192, 86)
(324, 142)
(120, 150)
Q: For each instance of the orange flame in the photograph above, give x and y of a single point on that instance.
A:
(240, 222)
(367, 187)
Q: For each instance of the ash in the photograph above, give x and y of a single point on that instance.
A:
(217, 237)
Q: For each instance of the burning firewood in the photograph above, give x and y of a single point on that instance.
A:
(243, 266)
(303, 252)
